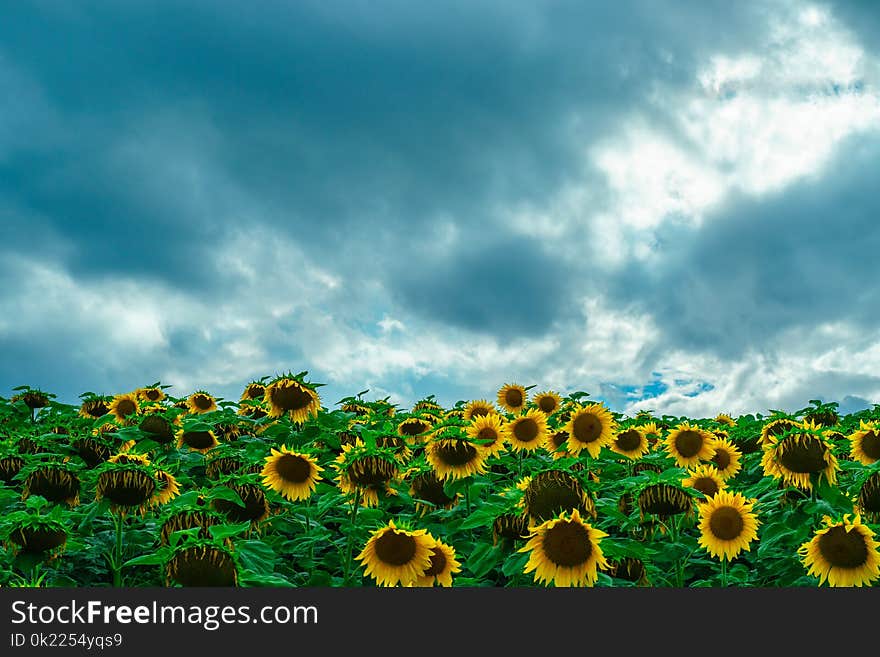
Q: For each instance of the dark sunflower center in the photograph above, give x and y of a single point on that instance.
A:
(395, 548)
(726, 523)
(292, 468)
(202, 402)
(803, 454)
(38, 539)
(664, 500)
(371, 471)
(843, 549)
(547, 404)
(413, 428)
(513, 397)
(54, 485)
(198, 439)
(456, 452)
(203, 566)
(427, 487)
(438, 563)
(255, 392)
(567, 544)
(869, 495)
(126, 487)
(558, 438)
(255, 505)
(92, 452)
(9, 467)
(706, 485)
(225, 465)
(587, 428)
(159, 427)
(549, 494)
(688, 443)
(479, 410)
(778, 428)
(510, 525)
(291, 397)
(630, 569)
(96, 409)
(525, 430)
(721, 459)
(488, 433)
(629, 441)
(153, 394)
(871, 445)
(126, 407)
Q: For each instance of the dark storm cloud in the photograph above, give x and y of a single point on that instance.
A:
(507, 287)
(334, 123)
(761, 266)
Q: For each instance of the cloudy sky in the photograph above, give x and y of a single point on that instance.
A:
(669, 205)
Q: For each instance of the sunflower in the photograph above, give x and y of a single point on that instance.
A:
(689, 444)
(865, 443)
(39, 535)
(776, 428)
(478, 407)
(57, 483)
(727, 524)
(189, 519)
(653, 434)
(843, 553)
(551, 492)
(547, 402)
(94, 408)
(556, 444)
(413, 429)
(426, 404)
(201, 402)
(124, 457)
(590, 427)
(630, 443)
(724, 418)
(428, 492)
(150, 394)
(292, 396)
(123, 407)
(704, 478)
(201, 565)
(629, 569)
(798, 454)
(255, 509)
(293, 475)
(488, 431)
(167, 488)
(869, 497)
(443, 566)
(10, 466)
(513, 526)
(565, 551)
(253, 391)
(157, 428)
(395, 555)
(664, 500)
(455, 457)
(253, 409)
(126, 487)
(366, 470)
(512, 397)
(726, 458)
(527, 432)
(197, 441)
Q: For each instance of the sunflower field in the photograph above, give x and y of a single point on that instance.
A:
(525, 488)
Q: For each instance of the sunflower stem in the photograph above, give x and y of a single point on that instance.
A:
(724, 572)
(117, 551)
(354, 513)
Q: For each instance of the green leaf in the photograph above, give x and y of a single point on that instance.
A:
(220, 532)
(155, 559)
(256, 556)
(251, 579)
